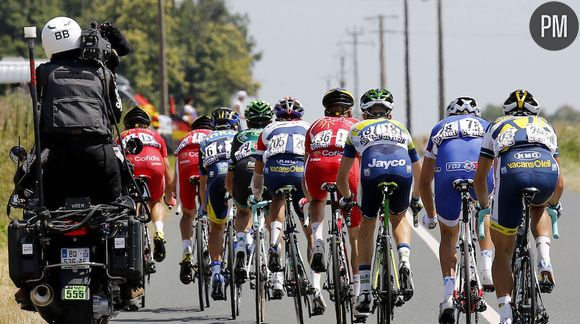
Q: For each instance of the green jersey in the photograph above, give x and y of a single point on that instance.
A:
(244, 145)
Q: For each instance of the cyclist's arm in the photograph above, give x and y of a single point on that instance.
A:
(169, 179)
(304, 188)
(559, 186)
(342, 176)
(480, 180)
(416, 176)
(425, 180)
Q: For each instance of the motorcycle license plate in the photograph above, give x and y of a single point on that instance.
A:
(75, 292)
(74, 256)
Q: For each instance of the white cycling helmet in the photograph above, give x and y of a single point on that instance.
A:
(463, 105)
(521, 103)
(60, 34)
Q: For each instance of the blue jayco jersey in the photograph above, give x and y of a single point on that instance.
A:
(215, 153)
(454, 144)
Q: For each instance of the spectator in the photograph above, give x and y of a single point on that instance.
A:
(189, 114)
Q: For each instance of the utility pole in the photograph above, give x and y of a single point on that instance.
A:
(440, 51)
(355, 32)
(407, 74)
(381, 32)
(342, 80)
(162, 58)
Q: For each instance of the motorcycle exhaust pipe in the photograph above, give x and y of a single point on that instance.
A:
(42, 296)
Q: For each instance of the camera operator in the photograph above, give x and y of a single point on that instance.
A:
(79, 105)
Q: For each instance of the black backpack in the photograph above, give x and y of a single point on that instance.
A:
(74, 100)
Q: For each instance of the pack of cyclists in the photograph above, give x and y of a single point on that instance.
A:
(280, 149)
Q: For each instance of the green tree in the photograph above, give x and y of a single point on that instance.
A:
(491, 112)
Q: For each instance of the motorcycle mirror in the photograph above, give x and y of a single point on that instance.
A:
(18, 154)
(134, 146)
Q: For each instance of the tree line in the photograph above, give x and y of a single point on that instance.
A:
(209, 51)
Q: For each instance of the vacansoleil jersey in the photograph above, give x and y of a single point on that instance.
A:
(509, 132)
(327, 136)
(244, 146)
(282, 138)
(371, 132)
(215, 148)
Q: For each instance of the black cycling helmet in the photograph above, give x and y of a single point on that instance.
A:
(225, 118)
(521, 103)
(136, 117)
(340, 97)
(202, 122)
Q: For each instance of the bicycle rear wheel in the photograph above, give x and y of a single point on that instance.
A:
(467, 281)
(258, 277)
(386, 296)
(200, 265)
(296, 281)
(337, 282)
(230, 268)
(529, 290)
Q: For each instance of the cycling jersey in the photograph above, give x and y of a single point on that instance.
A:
(242, 162)
(281, 147)
(324, 147)
(214, 159)
(525, 148)
(454, 144)
(187, 165)
(387, 153)
(150, 163)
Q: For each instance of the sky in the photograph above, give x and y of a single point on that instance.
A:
(488, 52)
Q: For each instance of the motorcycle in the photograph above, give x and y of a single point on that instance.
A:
(81, 263)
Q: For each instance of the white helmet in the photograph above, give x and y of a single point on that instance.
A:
(463, 105)
(60, 34)
(521, 103)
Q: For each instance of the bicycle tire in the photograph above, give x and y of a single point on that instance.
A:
(530, 282)
(337, 284)
(230, 268)
(467, 281)
(259, 300)
(296, 280)
(200, 265)
(387, 284)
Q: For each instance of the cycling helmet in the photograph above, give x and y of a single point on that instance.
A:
(202, 122)
(60, 34)
(258, 113)
(374, 97)
(340, 97)
(288, 108)
(136, 117)
(225, 118)
(463, 105)
(521, 103)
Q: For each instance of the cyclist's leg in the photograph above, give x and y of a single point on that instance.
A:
(242, 176)
(155, 183)
(217, 209)
(486, 245)
(354, 229)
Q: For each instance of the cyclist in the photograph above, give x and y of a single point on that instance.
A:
(214, 155)
(525, 146)
(187, 166)
(387, 154)
(325, 141)
(152, 164)
(280, 162)
(451, 154)
(258, 114)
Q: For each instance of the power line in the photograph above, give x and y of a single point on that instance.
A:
(355, 32)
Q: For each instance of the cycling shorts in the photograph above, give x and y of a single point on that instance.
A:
(321, 170)
(519, 169)
(217, 205)
(280, 172)
(447, 198)
(187, 167)
(152, 168)
(384, 164)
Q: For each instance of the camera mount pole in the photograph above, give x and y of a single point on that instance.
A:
(30, 36)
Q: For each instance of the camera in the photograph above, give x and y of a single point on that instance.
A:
(94, 43)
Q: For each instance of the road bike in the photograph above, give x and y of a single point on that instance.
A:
(338, 280)
(201, 268)
(257, 263)
(229, 261)
(468, 291)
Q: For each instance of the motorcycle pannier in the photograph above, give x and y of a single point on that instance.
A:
(24, 253)
(126, 250)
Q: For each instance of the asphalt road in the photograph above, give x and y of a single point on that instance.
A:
(169, 301)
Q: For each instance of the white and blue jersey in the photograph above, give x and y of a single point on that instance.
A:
(454, 144)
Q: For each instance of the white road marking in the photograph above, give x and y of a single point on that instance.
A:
(491, 315)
